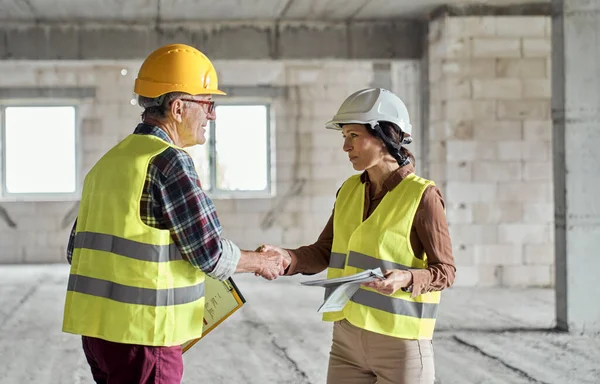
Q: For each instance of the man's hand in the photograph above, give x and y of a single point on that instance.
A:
(268, 263)
(272, 263)
(266, 248)
(394, 280)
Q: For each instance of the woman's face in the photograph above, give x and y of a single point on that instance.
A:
(364, 150)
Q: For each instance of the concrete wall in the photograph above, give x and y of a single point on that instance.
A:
(490, 145)
(308, 158)
(226, 40)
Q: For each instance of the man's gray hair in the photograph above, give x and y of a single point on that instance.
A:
(157, 107)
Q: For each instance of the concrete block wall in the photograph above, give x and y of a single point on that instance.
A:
(41, 228)
(307, 157)
(490, 145)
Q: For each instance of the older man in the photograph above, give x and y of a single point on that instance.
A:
(146, 233)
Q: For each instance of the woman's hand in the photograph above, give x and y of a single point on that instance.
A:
(394, 280)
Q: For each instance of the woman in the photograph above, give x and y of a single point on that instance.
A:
(390, 218)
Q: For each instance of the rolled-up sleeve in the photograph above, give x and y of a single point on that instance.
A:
(230, 257)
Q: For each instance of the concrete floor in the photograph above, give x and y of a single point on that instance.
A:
(483, 336)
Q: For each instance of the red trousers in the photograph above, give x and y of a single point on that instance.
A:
(114, 363)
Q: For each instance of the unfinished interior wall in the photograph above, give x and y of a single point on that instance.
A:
(309, 164)
(490, 145)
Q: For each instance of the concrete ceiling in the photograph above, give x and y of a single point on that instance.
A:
(216, 10)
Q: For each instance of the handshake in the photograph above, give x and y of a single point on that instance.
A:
(271, 261)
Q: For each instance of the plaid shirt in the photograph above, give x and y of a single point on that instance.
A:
(173, 199)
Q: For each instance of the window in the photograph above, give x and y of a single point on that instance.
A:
(236, 157)
(39, 155)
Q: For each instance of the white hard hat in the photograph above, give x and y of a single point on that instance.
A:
(368, 106)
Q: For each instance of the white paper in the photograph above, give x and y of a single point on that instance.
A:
(361, 277)
(343, 288)
(339, 297)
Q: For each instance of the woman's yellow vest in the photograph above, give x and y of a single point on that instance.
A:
(128, 282)
(382, 240)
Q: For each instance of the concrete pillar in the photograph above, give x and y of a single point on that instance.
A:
(576, 119)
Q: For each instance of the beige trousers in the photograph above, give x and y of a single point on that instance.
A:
(360, 357)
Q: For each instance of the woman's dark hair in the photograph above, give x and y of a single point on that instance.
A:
(393, 138)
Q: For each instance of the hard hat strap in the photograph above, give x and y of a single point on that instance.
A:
(394, 149)
(156, 102)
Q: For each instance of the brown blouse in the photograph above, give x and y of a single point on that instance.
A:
(429, 235)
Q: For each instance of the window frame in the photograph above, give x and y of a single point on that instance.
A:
(215, 193)
(5, 195)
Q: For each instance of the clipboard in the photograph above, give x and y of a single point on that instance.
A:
(222, 299)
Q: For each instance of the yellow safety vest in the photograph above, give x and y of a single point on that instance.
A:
(382, 240)
(128, 281)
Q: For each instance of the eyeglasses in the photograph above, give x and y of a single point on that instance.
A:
(210, 103)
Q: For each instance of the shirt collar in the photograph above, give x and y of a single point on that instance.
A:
(394, 179)
(147, 129)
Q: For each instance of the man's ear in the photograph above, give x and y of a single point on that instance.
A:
(177, 110)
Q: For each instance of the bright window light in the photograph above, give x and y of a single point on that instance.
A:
(201, 156)
(235, 157)
(241, 138)
(40, 150)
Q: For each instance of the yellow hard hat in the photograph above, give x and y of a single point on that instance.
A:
(177, 68)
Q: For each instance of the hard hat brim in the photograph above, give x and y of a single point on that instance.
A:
(153, 89)
(335, 124)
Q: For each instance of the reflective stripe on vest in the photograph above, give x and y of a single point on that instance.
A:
(337, 260)
(359, 260)
(127, 248)
(362, 261)
(374, 299)
(396, 306)
(135, 295)
(127, 294)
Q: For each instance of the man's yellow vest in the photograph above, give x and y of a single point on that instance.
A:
(128, 282)
(382, 240)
